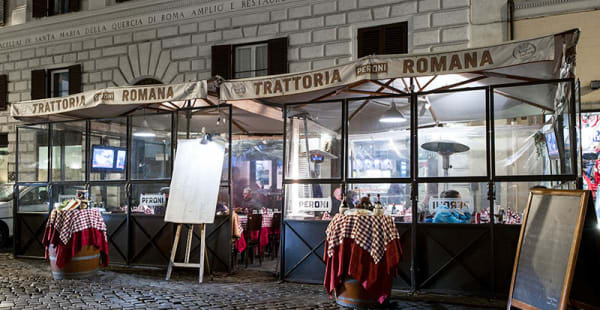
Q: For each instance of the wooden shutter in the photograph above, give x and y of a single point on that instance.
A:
(38, 84)
(2, 14)
(74, 5)
(221, 63)
(381, 40)
(74, 79)
(3, 92)
(40, 8)
(369, 41)
(396, 39)
(278, 56)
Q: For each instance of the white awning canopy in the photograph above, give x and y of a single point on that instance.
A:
(112, 101)
(380, 75)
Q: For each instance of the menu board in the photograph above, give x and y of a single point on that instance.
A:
(195, 182)
(547, 249)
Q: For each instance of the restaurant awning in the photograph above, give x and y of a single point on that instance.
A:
(383, 75)
(249, 117)
(111, 102)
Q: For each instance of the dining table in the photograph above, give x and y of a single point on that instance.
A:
(68, 231)
(365, 250)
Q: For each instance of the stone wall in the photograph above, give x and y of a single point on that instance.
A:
(321, 33)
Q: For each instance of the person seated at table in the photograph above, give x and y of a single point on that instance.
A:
(250, 201)
(447, 214)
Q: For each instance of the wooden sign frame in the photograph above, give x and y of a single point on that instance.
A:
(574, 249)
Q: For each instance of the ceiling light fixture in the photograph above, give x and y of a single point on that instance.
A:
(145, 131)
(392, 115)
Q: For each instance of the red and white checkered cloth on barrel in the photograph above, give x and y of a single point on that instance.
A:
(72, 221)
(371, 233)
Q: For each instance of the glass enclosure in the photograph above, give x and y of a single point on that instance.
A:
(124, 165)
(456, 159)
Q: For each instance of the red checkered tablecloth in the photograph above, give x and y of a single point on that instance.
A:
(365, 248)
(69, 231)
(371, 233)
(72, 221)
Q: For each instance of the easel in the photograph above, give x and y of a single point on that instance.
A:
(186, 263)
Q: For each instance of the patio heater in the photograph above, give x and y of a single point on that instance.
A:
(445, 149)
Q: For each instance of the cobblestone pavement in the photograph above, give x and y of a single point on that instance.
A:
(27, 284)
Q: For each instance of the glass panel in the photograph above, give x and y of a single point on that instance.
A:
(68, 151)
(62, 193)
(379, 138)
(243, 61)
(261, 58)
(223, 207)
(526, 140)
(590, 144)
(113, 133)
(151, 147)
(33, 199)
(33, 153)
(109, 198)
(465, 203)
(214, 122)
(394, 198)
(257, 173)
(511, 200)
(312, 201)
(452, 134)
(318, 129)
(150, 199)
(60, 83)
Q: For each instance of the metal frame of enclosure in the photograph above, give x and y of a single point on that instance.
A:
(450, 258)
(134, 238)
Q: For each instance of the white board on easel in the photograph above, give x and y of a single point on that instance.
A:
(193, 194)
(195, 182)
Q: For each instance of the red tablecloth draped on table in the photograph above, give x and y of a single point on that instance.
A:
(70, 231)
(363, 247)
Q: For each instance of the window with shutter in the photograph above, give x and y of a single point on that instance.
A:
(251, 59)
(3, 92)
(43, 8)
(384, 39)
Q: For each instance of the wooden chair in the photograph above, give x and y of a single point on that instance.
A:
(254, 223)
(274, 238)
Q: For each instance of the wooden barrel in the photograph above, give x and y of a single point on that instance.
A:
(351, 294)
(84, 264)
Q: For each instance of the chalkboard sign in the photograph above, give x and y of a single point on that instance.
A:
(547, 250)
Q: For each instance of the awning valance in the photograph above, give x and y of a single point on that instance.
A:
(110, 101)
(494, 61)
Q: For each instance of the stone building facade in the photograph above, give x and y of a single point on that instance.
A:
(123, 43)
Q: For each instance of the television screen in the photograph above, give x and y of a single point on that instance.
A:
(551, 144)
(108, 159)
(103, 158)
(121, 159)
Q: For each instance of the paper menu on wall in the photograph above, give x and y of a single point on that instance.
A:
(195, 182)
